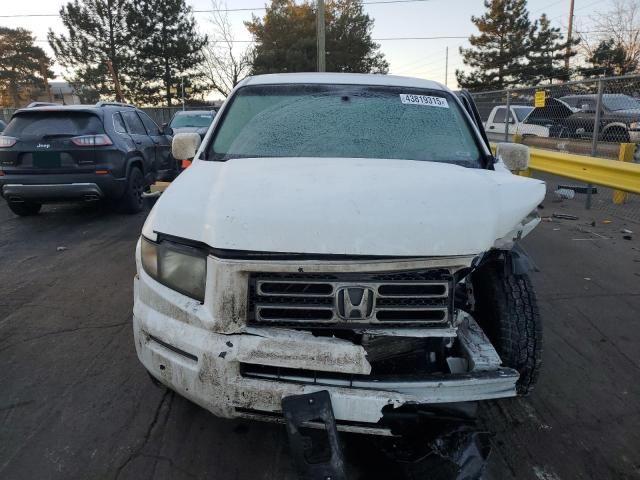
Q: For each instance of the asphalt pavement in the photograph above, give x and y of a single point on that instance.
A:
(76, 404)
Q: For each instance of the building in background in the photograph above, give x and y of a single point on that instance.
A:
(60, 92)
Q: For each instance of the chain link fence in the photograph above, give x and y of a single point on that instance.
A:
(590, 117)
(593, 111)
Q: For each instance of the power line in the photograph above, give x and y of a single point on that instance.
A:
(374, 39)
(246, 9)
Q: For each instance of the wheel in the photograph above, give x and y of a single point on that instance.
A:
(132, 202)
(25, 209)
(507, 310)
(616, 135)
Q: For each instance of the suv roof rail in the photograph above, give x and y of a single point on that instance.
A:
(114, 104)
(42, 104)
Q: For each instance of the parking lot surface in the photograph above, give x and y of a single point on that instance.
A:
(75, 403)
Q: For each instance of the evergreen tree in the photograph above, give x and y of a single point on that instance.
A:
(609, 58)
(24, 67)
(286, 38)
(167, 48)
(348, 40)
(498, 53)
(547, 53)
(98, 45)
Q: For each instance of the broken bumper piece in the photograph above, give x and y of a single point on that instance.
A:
(247, 374)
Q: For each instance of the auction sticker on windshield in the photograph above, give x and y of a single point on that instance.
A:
(426, 100)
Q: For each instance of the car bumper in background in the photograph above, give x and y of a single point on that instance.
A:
(56, 188)
(634, 136)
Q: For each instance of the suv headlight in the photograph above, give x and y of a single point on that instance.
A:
(634, 125)
(179, 267)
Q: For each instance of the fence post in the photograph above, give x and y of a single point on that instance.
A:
(596, 133)
(624, 155)
(507, 117)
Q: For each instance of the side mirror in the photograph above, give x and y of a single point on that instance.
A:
(166, 129)
(586, 108)
(514, 155)
(185, 145)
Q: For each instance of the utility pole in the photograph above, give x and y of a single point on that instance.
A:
(322, 66)
(446, 66)
(182, 85)
(569, 33)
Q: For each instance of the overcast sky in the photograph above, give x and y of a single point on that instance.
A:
(420, 58)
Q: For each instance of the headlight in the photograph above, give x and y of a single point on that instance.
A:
(176, 266)
(634, 125)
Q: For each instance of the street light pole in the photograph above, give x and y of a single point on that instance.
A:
(322, 67)
(446, 66)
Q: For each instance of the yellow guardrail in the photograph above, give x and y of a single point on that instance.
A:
(620, 175)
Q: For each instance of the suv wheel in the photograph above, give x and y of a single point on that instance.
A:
(616, 135)
(25, 209)
(507, 310)
(133, 201)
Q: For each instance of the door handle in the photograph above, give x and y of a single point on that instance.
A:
(138, 142)
(492, 127)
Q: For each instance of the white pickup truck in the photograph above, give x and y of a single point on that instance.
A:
(496, 123)
(346, 235)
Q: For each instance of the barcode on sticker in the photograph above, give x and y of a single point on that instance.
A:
(427, 100)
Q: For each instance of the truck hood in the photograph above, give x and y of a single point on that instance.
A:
(345, 206)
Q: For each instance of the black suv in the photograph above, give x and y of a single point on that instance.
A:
(82, 153)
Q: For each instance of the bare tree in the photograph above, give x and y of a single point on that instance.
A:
(225, 64)
(621, 24)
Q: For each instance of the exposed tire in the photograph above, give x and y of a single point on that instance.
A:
(25, 209)
(132, 202)
(507, 310)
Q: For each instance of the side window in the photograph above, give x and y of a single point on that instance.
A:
(134, 125)
(150, 125)
(118, 123)
(499, 116)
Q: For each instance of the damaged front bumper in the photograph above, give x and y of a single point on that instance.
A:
(205, 353)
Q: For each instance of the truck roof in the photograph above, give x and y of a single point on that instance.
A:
(343, 79)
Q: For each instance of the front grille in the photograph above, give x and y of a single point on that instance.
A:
(408, 298)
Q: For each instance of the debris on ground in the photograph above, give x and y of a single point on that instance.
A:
(433, 445)
(627, 237)
(590, 232)
(459, 452)
(606, 221)
(564, 216)
(61, 249)
(565, 194)
(579, 188)
(626, 230)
